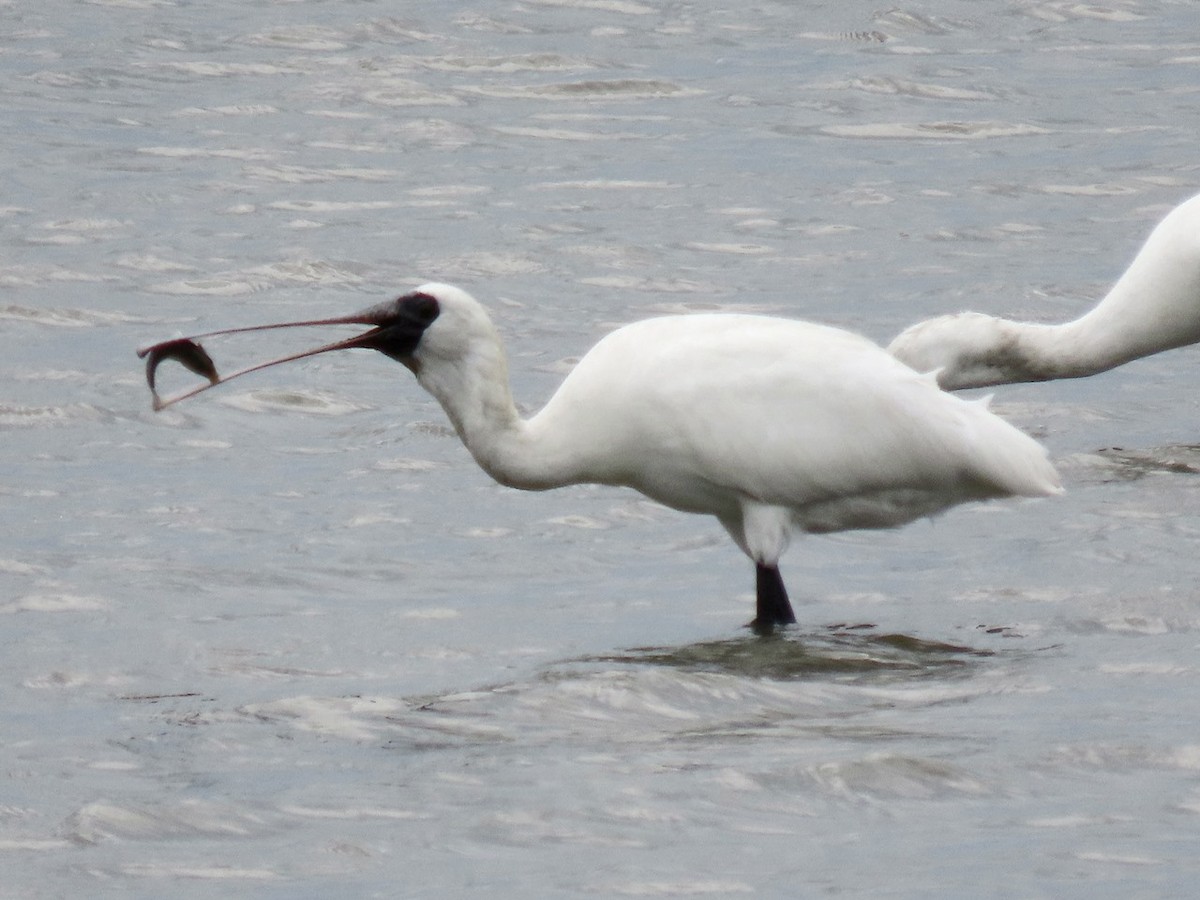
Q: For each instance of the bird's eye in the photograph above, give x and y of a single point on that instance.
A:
(421, 307)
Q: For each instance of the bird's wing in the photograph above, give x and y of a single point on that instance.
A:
(699, 411)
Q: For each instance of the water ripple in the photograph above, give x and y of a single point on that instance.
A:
(101, 821)
(843, 651)
(923, 131)
(64, 318)
(724, 690)
(12, 416)
(1132, 464)
(619, 89)
(313, 403)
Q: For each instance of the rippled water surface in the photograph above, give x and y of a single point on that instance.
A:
(285, 640)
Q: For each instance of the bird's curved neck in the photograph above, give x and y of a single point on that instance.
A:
(1154, 306)
(1036, 352)
(477, 398)
(1013, 352)
(1096, 342)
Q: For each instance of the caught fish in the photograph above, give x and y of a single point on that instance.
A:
(187, 353)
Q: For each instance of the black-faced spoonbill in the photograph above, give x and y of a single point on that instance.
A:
(1154, 306)
(771, 425)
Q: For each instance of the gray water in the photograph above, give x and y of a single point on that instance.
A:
(285, 640)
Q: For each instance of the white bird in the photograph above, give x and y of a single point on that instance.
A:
(772, 425)
(1154, 306)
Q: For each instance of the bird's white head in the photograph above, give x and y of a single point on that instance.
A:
(965, 350)
(458, 327)
(458, 358)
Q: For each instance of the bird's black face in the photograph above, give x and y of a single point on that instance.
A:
(400, 324)
(397, 328)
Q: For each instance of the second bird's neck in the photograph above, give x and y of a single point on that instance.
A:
(1155, 306)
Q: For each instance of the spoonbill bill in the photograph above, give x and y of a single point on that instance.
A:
(1154, 306)
(772, 425)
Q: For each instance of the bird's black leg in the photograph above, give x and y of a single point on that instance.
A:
(773, 607)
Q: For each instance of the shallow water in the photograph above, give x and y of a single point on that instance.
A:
(285, 640)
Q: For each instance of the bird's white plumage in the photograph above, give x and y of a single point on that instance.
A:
(1154, 306)
(771, 425)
